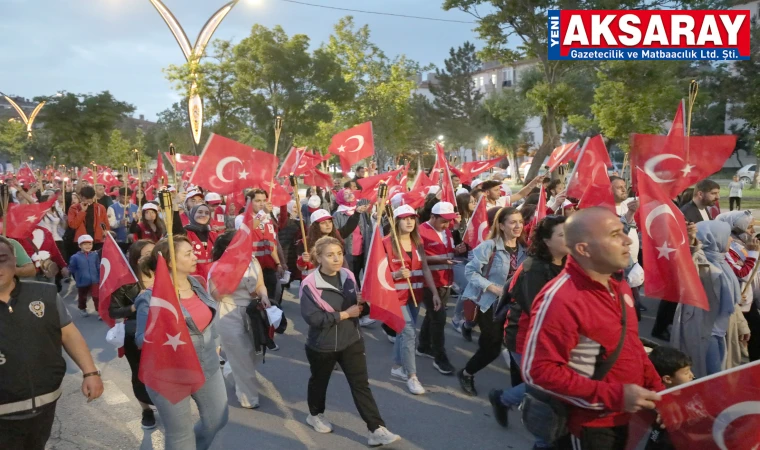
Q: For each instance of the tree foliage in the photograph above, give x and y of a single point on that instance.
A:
(13, 140)
(504, 115)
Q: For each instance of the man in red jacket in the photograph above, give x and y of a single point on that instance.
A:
(576, 322)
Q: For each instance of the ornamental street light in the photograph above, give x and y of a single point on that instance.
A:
(28, 120)
(193, 54)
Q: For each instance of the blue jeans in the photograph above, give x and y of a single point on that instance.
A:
(403, 348)
(716, 354)
(211, 400)
(514, 396)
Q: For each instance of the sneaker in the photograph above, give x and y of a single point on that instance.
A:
(366, 321)
(84, 313)
(414, 386)
(148, 421)
(468, 383)
(443, 365)
(100, 318)
(319, 423)
(382, 436)
(248, 405)
(392, 339)
(272, 346)
(467, 333)
(426, 352)
(499, 409)
(399, 373)
(457, 325)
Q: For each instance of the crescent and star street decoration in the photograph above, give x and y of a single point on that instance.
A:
(193, 53)
(28, 121)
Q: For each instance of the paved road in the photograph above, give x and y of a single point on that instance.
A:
(442, 418)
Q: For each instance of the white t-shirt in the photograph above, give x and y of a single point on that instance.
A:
(622, 210)
(704, 214)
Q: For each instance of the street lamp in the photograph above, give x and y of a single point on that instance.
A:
(440, 137)
(193, 53)
(485, 141)
(28, 121)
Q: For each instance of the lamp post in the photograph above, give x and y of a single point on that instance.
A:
(28, 120)
(193, 54)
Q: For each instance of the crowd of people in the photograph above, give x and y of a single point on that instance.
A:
(560, 294)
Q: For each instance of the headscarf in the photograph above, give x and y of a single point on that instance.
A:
(344, 205)
(739, 222)
(195, 227)
(714, 237)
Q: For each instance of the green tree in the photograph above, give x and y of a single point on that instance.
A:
(527, 21)
(13, 140)
(505, 114)
(457, 100)
(173, 127)
(118, 151)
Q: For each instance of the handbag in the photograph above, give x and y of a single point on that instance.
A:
(470, 306)
(544, 415)
(115, 336)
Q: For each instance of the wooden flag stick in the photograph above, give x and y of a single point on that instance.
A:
(294, 183)
(277, 131)
(166, 204)
(382, 193)
(173, 154)
(693, 89)
(4, 201)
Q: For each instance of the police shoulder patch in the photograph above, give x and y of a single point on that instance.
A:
(37, 308)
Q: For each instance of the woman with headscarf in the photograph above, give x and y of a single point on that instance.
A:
(742, 256)
(702, 334)
(201, 236)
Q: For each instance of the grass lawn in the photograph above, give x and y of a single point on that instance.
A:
(750, 199)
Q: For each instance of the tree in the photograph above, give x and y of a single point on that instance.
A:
(173, 127)
(13, 140)
(118, 151)
(457, 100)
(528, 22)
(505, 114)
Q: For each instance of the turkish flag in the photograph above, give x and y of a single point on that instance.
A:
(416, 196)
(169, 364)
(161, 177)
(316, 177)
(306, 162)
(378, 286)
(25, 174)
(227, 166)
(591, 161)
(85, 174)
(22, 219)
(353, 145)
(182, 162)
(404, 179)
(472, 169)
(717, 412)
(563, 155)
(107, 179)
(227, 271)
(280, 196)
(369, 185)
(114, 273)
(541, 206)
(478, 227)
(445, 169)
(289, 162)
(668, 268)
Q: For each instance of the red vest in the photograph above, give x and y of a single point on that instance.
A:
(443, 275)
(265, 244)
(146, 233)
(202, 251)
(417, 279)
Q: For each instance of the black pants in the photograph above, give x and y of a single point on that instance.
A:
(270, 282)
(489, 343)
(734, 201)
(353, 363)
(753, 320)
(431, 331)
(28, 434)
(132, 353)
(665, 314)
(614, 438)
(514, 371)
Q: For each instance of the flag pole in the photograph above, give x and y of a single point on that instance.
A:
(139, 176)
(63, 192)
(384, 190)
(294, 183)
(166, 204)
(277, 131)
(173, 154)
(693, 89)
(126, 188)
(4, 201)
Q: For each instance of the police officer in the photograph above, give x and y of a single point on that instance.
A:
(34, 325)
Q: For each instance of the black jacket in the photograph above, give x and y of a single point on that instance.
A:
(691, 213)
(120, 307)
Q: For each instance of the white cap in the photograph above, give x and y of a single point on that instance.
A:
(171, 189)
(636, 276)
(213, 197)
(84, 238)
(291, 205)
(475, 183)
(320, 215)
(445, 210)
(314, 202)
(433, 189)
(404, 211)
(150, 207)
(397, 200)
(462, 190)
(193, 193)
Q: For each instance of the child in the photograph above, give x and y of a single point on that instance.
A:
(674, 367)
(85, 268)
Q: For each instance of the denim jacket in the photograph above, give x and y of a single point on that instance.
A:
(204, 342)
(475, 270)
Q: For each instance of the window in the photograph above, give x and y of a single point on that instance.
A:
(475, 81)
(482, 81)
(493, 79)
(508, 74)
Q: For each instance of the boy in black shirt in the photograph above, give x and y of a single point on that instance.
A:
(674, 367)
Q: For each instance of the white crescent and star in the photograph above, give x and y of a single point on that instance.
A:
(477, 170)
(106, 265)
(358, 137)
(160, 303)
(664, 250)
(727, 416)
(650, 167)
(382, 269)
(222, 164)
(174, 341)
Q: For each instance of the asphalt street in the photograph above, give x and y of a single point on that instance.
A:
(443, 418)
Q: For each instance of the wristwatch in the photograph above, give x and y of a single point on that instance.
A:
(91, 374)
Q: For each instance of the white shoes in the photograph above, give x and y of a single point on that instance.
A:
(399, 373)
(414, 386)
(366, 321)
(320, 424)
(382, 436)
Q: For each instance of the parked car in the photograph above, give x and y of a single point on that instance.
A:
(615, 168)
(746, 173)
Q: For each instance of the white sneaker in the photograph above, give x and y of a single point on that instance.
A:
(414, 386)
(392, 339)
(319, 423)
(399, 373)
(84, 313)
(382, 436)
(245, 403)
(366, 321)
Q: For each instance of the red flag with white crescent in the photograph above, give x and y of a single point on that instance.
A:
(540, 207)
(227, 271)
(447, 187)
(563, 155)
(182, 162)
(478, 227)
(416, 196)
(378, 286)
(22, 218)
(369, 185)
(353, 145)
(472, 169)
(168, 363)
(114, 273)
(316, 177)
